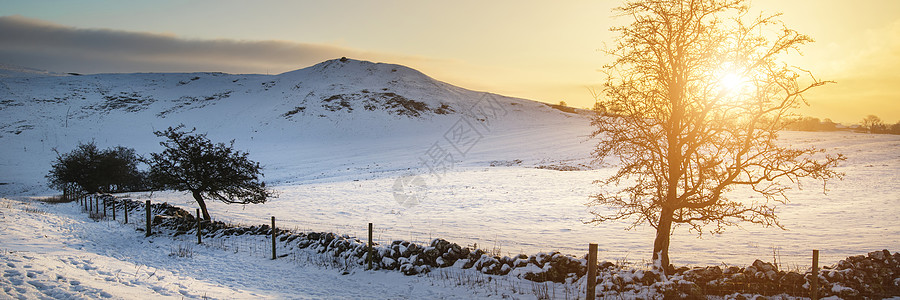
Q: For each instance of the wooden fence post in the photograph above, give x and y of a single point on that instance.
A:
(113, 206)
(592, 272)
(814, 282)
(104, 205)
(126, 210)
(371, 256)
(148, 218)
(273, 237)
(90, 205)
(198, 227)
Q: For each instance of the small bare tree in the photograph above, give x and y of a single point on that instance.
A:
(696, 96)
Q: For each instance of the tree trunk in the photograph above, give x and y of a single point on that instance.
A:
(202, 204)
(661, 244)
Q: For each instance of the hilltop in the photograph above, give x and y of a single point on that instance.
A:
(334, 111)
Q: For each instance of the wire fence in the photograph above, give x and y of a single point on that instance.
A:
(127, 211)
(788, 258)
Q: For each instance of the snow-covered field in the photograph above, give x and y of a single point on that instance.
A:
(528, 210)
(336, 169)
(57, 252)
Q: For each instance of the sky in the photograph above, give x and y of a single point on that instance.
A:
(548, 51)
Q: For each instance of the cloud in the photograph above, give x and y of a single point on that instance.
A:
(35, 43)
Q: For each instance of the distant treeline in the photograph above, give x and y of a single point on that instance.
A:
(871, 124)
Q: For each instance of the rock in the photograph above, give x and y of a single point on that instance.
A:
(649, 277)
(792, 278)
(389, 263)
(475, 255)
(402, 251)
(441, 245)
(411, 249)
(441, 263)
(520, 261)
(469, 263)
(880, 255)
(506, 260)
(504, 269)
(763, 266)
(463, 252)
(770, 274)
(844, 265)
(453, 252)
(328, 238)
(408, 269)
(430, 256)
(703, 275)
(485, 263)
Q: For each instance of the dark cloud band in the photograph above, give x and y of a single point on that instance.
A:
(35, 43)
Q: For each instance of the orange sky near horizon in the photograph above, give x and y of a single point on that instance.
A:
(545, 51)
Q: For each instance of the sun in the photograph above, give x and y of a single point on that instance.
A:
(732, 81)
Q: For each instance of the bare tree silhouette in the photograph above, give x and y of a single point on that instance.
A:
(695, 99)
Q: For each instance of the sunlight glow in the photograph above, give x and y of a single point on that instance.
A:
(732, 82)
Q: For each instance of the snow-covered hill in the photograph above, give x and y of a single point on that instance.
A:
(300, 125)
(336, 138)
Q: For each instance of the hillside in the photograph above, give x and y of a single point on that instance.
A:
(342, 141)
(308, 121)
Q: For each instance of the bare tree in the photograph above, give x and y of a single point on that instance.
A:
(697, 96)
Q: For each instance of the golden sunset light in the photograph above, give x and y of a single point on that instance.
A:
(400, 149)
(542, 51)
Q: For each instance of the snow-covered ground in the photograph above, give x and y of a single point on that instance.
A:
(337, 170)
(57, 252)
(528, 210)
